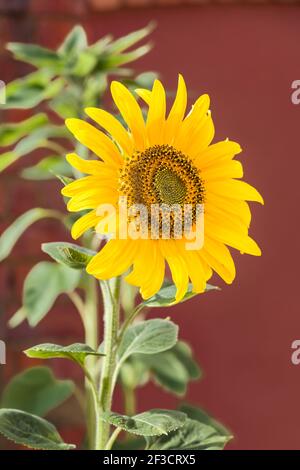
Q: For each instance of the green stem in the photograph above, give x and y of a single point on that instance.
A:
(129, 320)
(112, 438)
(110, 292)
(90, 320)
(129, 400)
(59, 149)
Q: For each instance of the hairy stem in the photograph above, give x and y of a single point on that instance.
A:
(90, 321)
(111, 293)
(112, 438)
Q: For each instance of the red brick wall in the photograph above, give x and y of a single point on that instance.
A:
(246, 57)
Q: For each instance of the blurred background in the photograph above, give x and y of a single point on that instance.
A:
(245, 54)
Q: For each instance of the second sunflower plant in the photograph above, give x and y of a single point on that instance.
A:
(156, 206)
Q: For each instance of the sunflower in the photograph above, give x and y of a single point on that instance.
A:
(163, 159)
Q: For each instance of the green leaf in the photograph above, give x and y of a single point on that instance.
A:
(12, 132)
(46, 168)
(131, 39)
(36, 139)
(173, 369)
(134, 372)
(74, 42)
(196, 413)
(69, 254)
(114, 61)
(150, 423)
(36, 391)
(83, 65)
(38, 56)
(64, 179)
(95, 87)
(29, 91)
(148, 337)
(11, 235)
(77, 352)
(145, 80)
(44, 283)
(66, 104)
(165, 297)
(191, 436)
(100, 46)
(30, 430)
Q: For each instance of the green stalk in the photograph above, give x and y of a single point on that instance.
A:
(112, 438)
(111, 293)
(90, 320)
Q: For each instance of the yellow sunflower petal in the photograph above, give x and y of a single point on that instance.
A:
(156, 114)
(235, 207)
(197, 130)
(93, 167)
(131, 113)
(150, 280)
(113, 260)
(91, 199)
(194, 266)
(113, 127)
(177, 111)
(227, 219)
(95, 140)
(177, 267)
(218, 256)
(216, 153)
(89, 184)
(231, 237)
(229, 169)
(84, 223)
(234, 189)
(144, 94)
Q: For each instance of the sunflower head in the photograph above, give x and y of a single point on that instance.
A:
(164, 167)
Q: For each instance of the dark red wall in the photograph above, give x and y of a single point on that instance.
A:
(246, 58)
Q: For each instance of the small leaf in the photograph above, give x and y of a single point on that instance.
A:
(12, 132)
(100, 46)
(131, 39)
(166, 296)
(83, 65)
(30, 430)
(36, 55)
(191, 436)
(28, 92)
(64, 179)
(114, 61)
(66, 104)
(148, 337)
(150, 423)
(145, 80)
(11, 235)
(74, 42)
(135, 372)
(69, 254)
(96, 84)
(44, 283)
(76, 352)
(173, 369)
(36, 391)
(46, 169)
(196, 413)
(36, 139)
